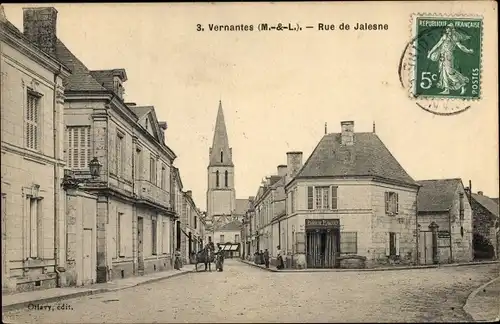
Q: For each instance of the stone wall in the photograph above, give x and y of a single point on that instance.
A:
(483, 224)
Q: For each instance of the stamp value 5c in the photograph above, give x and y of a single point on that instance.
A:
(447, 57)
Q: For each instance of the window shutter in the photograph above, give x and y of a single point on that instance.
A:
(123, 227)
(386, 202)
(397, 203)
(387, 243)
(396, 238)
(310, 197)
(334, 197)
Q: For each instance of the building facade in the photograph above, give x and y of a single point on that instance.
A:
(33, 200)
(350, 201)
(485, 226)
(444, 222)
(191, 225)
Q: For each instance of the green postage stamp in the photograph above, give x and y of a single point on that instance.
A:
(448, 57)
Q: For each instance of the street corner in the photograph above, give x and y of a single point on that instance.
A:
(483, 304)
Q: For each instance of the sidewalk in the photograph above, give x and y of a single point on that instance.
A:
(483, 304)
(273, 269)
(21, 300)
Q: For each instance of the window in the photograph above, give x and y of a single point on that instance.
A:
(138, 164)
(322, 197)
(225, 178)
(217, 178)
(152, 170)
(292, 200)
(195, 222)
(79, 147)
(163, 178)
(154, 237)
(165, 237)
(119, 154)
(392, 248)
(334, 197)
(35, 227)
(32, 120)
(391, 203)
(120, 228)
(310, 198)
(348, 242)
(221, 157)
(222, 239)
(236, 238)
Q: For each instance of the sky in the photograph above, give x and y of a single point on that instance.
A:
(278, 89)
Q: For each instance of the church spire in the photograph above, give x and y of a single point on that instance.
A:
(220, 153)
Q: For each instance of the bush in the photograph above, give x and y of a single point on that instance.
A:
(483, 249)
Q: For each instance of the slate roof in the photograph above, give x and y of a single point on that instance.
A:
(242, 206)
(436, 195)
(488, 203)
(141, 111)
(368, 156)
(80, 78)
(232, 226)
(495, 200)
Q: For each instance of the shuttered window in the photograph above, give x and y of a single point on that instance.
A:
(154, 237)
(391, 203)
(120, 232)
(392, 244)
(348, 242)
(32, 120)
(322, 197)
(310, 197)
(334, 197)
(79, 147)
(119, 154)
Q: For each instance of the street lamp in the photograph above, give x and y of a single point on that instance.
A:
(71, 182)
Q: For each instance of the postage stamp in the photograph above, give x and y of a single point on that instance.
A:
(442, 64)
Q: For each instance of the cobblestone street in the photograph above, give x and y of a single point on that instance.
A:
(246, 294)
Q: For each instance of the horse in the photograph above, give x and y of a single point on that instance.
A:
(206, 257)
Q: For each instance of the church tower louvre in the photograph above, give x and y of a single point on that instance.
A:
(221, 195)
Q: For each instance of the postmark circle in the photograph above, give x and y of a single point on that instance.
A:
(440, 80)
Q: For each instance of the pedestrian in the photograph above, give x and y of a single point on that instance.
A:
(279, 259)
(266, 258)
(177, 259)
(261, 257)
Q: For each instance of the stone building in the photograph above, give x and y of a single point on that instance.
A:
(445, 222)
(351, 200)
(269, 207)
(191, 227)
(485, 223)
(32, 137)
(134, 211)
(230, 233)
(177, 203)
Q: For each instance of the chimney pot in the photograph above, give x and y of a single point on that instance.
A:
(189, 193)
(282, 170)
(480, 193)
(39, 26)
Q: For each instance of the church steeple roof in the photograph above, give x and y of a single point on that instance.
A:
(220, 152)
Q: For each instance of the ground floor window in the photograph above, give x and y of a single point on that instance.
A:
(348, 242)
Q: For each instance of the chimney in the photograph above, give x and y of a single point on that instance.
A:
(347, 132)
(163, 125)
(282, 170)
(40, 28)
(480, 193)
(3, 18)
(189, 193)
(294, 163)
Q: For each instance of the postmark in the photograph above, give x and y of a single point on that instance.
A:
(441, 67)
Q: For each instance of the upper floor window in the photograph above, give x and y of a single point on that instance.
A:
(236, 238)
(222, 239)
(79, 147)
(32, 120)
(324, 197)
(138, 164)
(292, 198)
(152, 170)
(221, 157)
(226, 178)
(119, 153)
(217, 178)
(391, 203)
(147, 124)
(163, 177)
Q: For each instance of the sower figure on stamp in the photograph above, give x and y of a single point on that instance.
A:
(442, 52)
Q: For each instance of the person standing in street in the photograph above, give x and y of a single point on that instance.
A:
(279, 259)
(177, 259)
(266, 258)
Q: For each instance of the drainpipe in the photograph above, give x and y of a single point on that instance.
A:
(451, 242)
(416, 227)
(57, 182)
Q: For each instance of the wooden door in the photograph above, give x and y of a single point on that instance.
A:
(87, 256)
(314, 253)
(425, 247)
(140, 237)
(330, 248)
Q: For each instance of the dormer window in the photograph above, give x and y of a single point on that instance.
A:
(118, 87)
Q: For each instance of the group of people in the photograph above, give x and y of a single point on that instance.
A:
(219, 256)
(264, 258)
